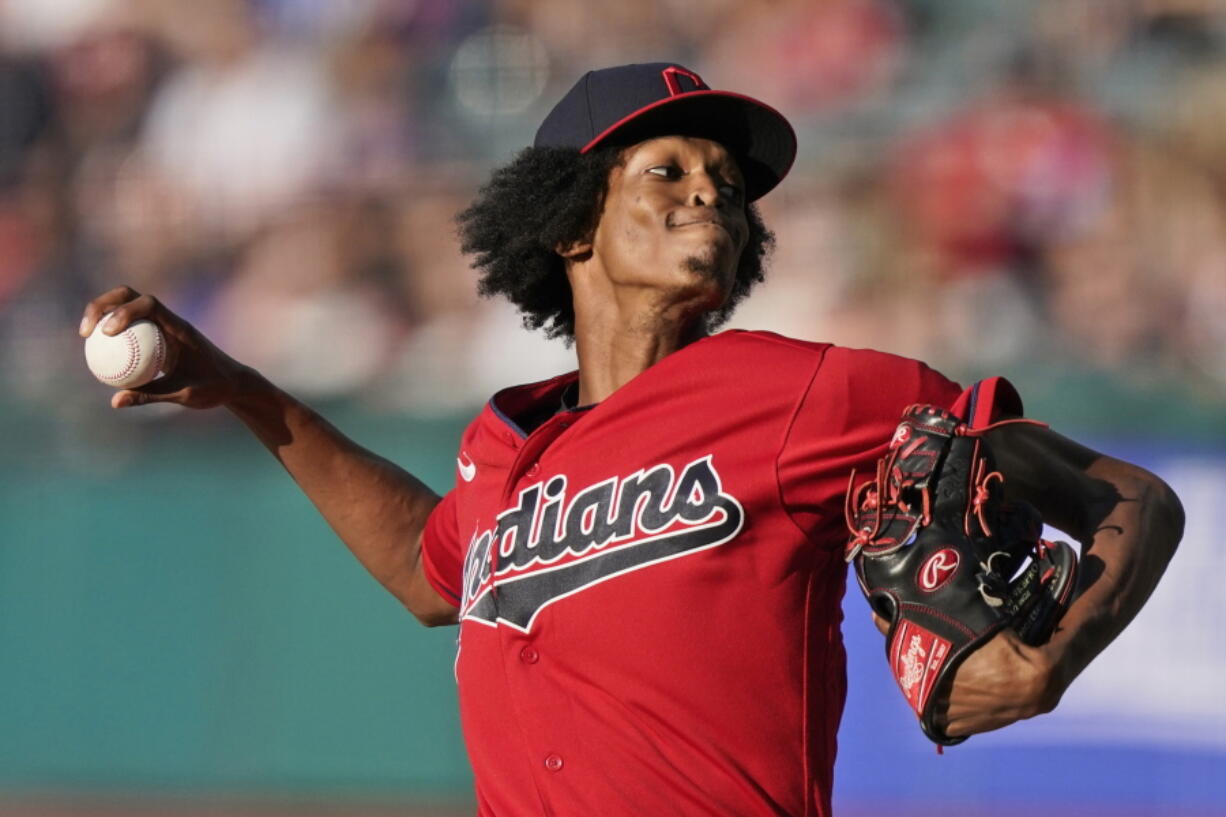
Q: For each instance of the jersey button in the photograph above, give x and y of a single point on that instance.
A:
(534, 469)
(554, 763)
(529, 655)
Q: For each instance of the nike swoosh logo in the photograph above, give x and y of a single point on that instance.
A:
(468, 470)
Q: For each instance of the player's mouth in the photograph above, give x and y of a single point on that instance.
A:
(704, 222)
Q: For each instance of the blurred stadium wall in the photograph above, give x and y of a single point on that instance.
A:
(1033, 188)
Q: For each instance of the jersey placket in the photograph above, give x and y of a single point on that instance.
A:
(527, 657)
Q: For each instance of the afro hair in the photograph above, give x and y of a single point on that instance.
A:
(547, 198)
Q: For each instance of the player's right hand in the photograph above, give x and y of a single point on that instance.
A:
(197, 374)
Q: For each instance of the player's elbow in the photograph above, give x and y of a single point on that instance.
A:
(1160, 510)
(427, 606)
(1167, 513)
(435, 618)
(419, 596)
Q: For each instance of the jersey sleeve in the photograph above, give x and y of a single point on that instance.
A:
(844, 422)
(441, 553)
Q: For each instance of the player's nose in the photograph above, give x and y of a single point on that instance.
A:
(703, 190)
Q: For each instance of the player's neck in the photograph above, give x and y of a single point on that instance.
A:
(613, 350)
(626, 323)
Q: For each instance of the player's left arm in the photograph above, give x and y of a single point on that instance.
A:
(1128, 522)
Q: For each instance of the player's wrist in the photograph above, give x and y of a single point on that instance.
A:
(249, 392)
(1036, 675)
(1055, 665)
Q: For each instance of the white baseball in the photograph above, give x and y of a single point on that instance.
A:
(127, 360)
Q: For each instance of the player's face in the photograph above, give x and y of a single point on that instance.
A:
(674, 219)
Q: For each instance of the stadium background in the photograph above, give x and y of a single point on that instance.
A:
(1035, 188)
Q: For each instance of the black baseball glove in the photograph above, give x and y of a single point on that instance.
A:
(945, 560)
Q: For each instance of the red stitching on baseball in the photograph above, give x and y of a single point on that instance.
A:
(133, 358)
(159, 350)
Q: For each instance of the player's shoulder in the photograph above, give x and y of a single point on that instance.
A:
(761, 342)
(750, 359)
(858, 378)
(872, 361)
(755, 351)
(883, 382)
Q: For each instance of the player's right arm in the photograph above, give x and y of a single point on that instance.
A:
(377, 509)
(1129, 523)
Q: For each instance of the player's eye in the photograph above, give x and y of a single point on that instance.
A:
(730, 192)
(666, 171)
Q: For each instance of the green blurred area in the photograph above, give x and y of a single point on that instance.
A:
(187, 621)
(1082, 401)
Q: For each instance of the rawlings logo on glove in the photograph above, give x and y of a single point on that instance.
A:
(943, 558)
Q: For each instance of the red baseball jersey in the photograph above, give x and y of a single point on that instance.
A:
(650, 587)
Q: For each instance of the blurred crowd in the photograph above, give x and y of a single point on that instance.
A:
(981, 184)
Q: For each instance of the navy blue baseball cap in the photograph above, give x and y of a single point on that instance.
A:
(628, 104)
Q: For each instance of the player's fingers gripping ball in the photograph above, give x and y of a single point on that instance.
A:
(128, 359)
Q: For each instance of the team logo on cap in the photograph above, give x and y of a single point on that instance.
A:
(670, 79)
(552, 545)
